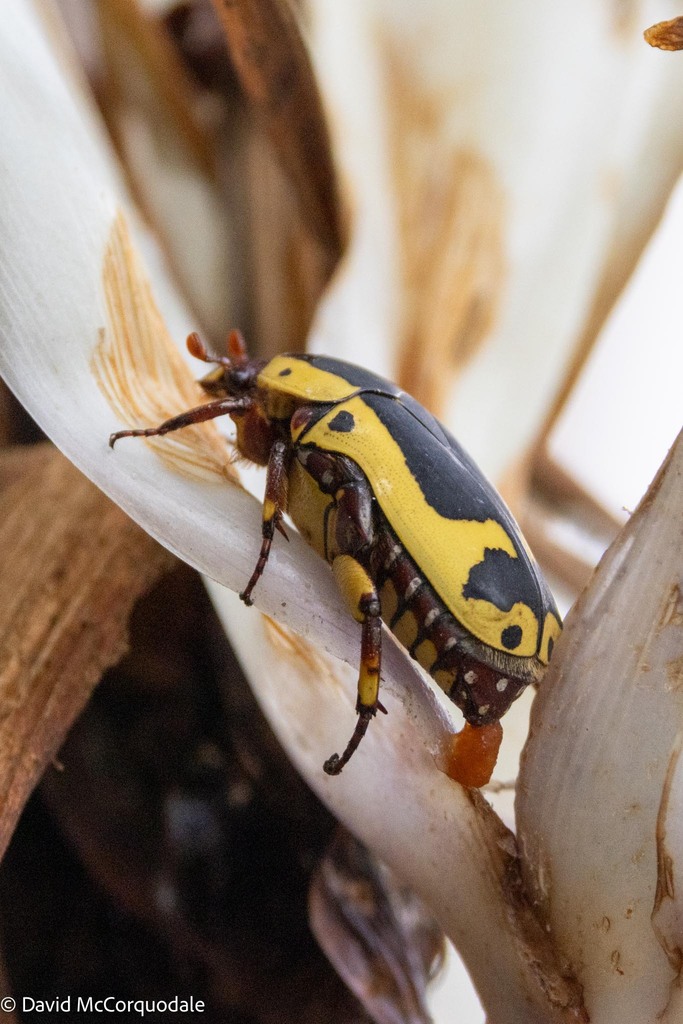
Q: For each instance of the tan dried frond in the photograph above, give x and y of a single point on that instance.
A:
(140, 371)
(665, 35)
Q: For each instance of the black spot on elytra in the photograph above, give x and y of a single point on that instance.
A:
(511, 637)
(286, 372)
(343, 422)
(502, 581)
(551, 644)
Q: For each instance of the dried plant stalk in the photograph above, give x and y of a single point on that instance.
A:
(276, 73)
(73, 567)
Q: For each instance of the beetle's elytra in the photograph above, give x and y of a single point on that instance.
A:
(415, 535)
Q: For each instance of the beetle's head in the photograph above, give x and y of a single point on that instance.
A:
(235, 374)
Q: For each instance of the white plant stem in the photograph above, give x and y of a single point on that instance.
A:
(599, 793)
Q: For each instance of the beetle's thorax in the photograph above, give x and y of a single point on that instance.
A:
(266, 417)
(256, 434)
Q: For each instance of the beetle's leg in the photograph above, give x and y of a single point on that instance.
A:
(363, 600)
(349, 536)
(353, 536)
(274, 507)
(201, 413)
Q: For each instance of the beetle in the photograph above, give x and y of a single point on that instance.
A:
(415, 534)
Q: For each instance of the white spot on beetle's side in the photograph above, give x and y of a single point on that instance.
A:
(392, 556)
(483, 709)
(412, 587)
(451, 642)
(302, 456)
(502, 685)
(327, 478)
(430, 616)
(470, 677)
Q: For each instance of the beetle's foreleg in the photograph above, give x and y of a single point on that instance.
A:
(201, 413)
(274, 507)
(362, 598)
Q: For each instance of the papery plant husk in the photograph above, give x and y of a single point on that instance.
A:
(598, 795)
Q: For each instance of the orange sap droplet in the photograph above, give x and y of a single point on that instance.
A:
(470, 755)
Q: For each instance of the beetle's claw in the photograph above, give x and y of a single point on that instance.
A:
(244, 596)
(113, 438)
(333, 765)
(280, 529)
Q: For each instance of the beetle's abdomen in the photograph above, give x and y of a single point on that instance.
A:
(309, 508)
(419, 620)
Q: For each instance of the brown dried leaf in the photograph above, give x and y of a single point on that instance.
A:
(665, 35)
(73, 567)
(276, 73)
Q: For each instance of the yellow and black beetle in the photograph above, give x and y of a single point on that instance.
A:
(415, 535)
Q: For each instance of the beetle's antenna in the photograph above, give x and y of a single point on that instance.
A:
(237, 348)
(197, 348)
